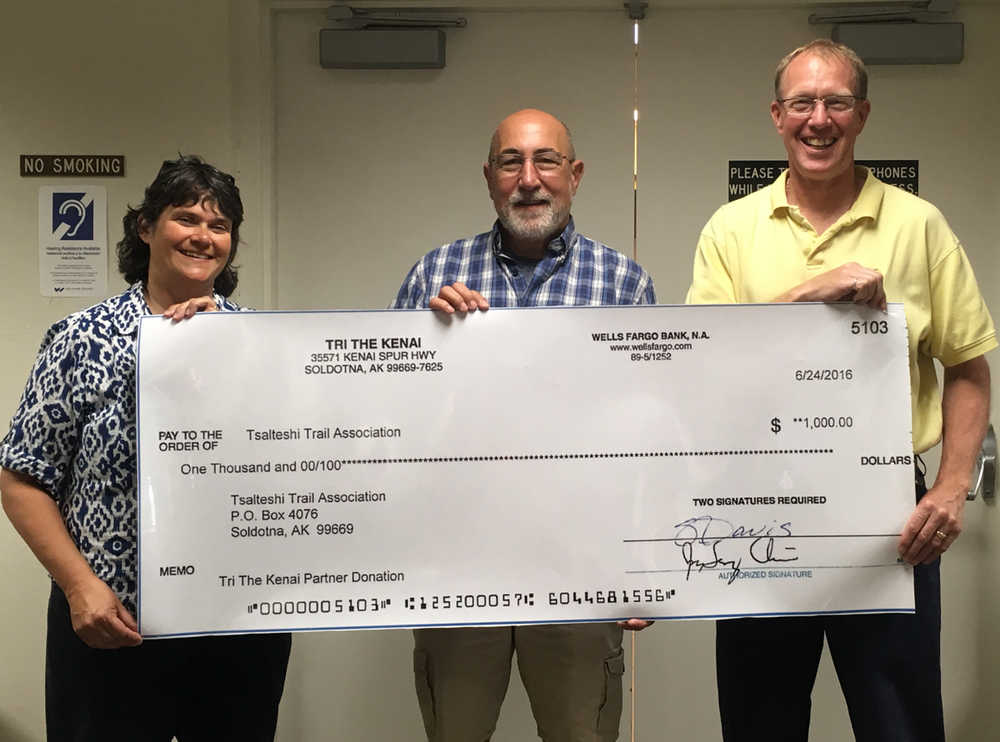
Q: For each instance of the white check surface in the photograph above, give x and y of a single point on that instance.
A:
(326, 470)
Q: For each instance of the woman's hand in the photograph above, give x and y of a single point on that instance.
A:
(186, 309)
(99, 618)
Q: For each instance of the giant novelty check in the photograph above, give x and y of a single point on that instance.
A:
(345, 470)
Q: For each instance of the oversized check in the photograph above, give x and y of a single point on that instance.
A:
(333, 470)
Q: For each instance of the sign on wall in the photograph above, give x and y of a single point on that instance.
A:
(111, 166)
(747, 176)
(73, 240)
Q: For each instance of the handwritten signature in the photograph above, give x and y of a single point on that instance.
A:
(707, 542)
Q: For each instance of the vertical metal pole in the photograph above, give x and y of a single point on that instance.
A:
(635, 140)
(636, 11)
(632, 688)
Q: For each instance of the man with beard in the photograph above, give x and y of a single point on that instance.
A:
(828, 230)
(533, 256)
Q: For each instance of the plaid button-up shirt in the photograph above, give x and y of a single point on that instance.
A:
(574, 271)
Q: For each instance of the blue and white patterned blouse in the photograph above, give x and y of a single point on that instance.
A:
(74, 432)
(575, 270)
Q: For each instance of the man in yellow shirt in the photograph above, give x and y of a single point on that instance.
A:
(828, 230)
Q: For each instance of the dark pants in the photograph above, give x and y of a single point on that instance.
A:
(214, 688)
(889, 667)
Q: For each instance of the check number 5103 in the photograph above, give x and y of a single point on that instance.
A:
(869, 327)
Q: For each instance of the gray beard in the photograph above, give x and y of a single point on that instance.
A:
(532, 229)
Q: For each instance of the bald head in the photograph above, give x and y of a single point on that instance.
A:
(533, 189)
(532, 118)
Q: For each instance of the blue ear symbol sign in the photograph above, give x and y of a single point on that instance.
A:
(79, 208)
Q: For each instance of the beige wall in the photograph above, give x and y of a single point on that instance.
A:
(706, 79)
(349, 177)
(143, 79)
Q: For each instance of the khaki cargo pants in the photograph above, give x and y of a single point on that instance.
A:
(572, 673)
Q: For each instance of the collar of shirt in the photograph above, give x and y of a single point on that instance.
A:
(131, 307)
(869, 202)
(129, 310)
(779, 194)
(558, 247)
(866, 206)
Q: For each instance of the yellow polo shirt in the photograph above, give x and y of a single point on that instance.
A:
(758, 247)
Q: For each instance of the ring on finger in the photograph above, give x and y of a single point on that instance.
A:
(939, 534)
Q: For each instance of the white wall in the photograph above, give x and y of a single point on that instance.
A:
(349, 176)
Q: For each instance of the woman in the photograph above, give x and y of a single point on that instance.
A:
(69, 487)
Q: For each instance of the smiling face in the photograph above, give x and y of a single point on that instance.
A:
(532, 204)
(820, 145)
(189, 245)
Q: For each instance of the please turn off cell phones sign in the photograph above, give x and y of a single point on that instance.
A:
(747, 176)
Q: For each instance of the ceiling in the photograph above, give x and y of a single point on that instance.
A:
(607, 4)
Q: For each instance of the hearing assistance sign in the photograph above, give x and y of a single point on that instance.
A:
(73, 240)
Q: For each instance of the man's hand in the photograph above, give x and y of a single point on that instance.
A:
(99, 618)
(937, 520)
(849, 282)
(635, 624)
(458, 298)
(934, 524)
(189, 308)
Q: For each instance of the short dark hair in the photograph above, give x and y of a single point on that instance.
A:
(827, 49)
(181, 182)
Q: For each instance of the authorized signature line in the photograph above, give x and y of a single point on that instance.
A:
(797, 566)
(708, 543)
(754, 536)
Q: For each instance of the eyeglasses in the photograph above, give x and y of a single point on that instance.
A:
(545, 161)
(803, 105)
